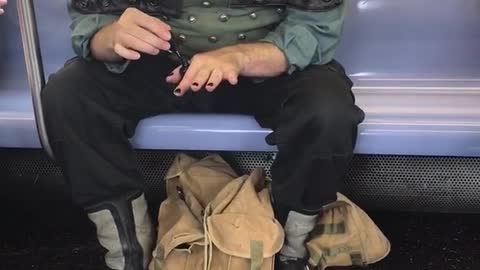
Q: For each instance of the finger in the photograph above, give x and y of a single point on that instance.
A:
(215, 79)
(231, 76)
(1, 11)
(126, 53)
(174, 77)
(154, 25)
(133, 43)
(187, 79)
(200, 80)
(149, 37)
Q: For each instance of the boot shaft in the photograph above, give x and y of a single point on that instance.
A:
(124, 228)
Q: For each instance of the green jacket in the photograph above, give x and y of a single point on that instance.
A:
(306, 37)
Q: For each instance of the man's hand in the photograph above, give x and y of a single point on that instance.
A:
(208, 70)
(135, 32)
(2, 4)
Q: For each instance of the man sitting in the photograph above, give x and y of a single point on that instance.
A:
(140, 58)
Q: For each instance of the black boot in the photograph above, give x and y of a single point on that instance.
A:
(294, 255)
(125, 230)
(286, 263)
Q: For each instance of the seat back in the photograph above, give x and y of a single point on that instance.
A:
(407, 39)
(54, 33)
(411, 39)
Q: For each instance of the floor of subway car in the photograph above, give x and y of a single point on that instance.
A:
(40, 229)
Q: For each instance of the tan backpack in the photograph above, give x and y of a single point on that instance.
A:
(214, 220)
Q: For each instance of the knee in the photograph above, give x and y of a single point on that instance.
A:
(331, 119)
(334, 118)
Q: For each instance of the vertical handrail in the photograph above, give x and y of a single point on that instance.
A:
(33, 61)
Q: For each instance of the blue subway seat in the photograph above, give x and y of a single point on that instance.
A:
(417, 77)
(202, 132)
(17, 124)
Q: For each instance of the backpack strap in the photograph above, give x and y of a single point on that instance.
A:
(256, 254)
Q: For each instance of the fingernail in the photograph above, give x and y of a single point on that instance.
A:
(177, 91)
(210, 84)
(195, 84)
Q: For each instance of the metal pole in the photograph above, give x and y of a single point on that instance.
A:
(33, 61)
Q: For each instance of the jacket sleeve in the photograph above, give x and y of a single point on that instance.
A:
(83, 28)
(308, 37)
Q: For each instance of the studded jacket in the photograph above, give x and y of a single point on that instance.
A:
(307, 31)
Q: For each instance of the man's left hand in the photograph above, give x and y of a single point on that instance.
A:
(207, 70)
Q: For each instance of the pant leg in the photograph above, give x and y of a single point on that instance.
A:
(314, 119)
(90, 114)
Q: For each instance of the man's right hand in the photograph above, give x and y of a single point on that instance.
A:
(134, 33)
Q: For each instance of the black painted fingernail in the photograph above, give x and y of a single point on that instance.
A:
(210, 84)
(195, 84)
(177, 91)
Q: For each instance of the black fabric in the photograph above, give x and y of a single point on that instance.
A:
(174, 7)
(253, 3)
(91, 114)
(282, 263)
(153, 7)
(315, 5)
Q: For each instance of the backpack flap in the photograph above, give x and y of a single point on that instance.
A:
(346, 236)
(250, 237)
(201, 179)
(179, 229)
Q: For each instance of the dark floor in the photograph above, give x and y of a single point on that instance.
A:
(39, 229)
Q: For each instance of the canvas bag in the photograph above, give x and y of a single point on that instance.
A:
(344, 236)
(214, 220)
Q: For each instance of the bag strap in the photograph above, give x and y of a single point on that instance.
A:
(330, 228)
(256, 254)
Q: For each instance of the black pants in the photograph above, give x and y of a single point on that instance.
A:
(91, 113)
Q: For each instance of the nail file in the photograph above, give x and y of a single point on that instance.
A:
(181, 58)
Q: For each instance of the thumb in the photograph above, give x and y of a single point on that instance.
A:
(174, 77)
